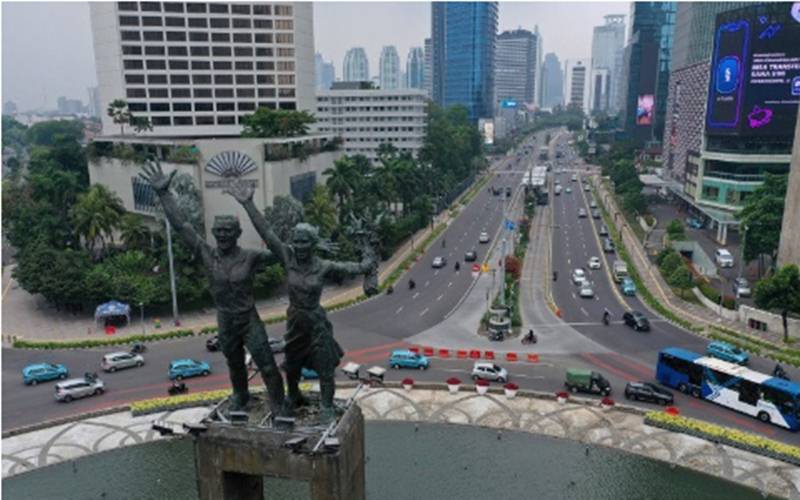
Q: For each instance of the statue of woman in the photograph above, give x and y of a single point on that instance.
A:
(309, 334)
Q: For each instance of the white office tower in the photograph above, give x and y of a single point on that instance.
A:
(389, 68)
(607, 48)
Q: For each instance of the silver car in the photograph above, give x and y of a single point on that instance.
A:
(120, 360)
(77, 388)
(489, 371)
(741, 287)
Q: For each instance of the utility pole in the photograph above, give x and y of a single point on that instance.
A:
(741, 252)
(172, 275)
(503, 273)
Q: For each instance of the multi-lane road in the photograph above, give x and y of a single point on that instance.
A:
(370, 330)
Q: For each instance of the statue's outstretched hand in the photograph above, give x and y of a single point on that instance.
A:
(155, 176)
(240, 190)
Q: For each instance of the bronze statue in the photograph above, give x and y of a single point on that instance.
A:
(231, 271)
(309, 334)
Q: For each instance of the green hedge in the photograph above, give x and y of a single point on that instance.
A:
(83, 344)
(731, 437)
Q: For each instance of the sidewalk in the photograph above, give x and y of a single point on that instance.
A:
(656, 284)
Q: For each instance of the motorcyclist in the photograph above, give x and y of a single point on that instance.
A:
(457, 265)
(779, 372)
(530, 338)
(606, 317)
(389, 290)
(411, 284)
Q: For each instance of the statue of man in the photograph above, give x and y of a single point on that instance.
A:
(231, 271)
(309, 334)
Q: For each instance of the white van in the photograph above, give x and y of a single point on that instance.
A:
(723, 258)
(558, 189)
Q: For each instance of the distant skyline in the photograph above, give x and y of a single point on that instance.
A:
(36, 71)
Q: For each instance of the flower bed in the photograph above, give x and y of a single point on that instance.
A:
(511, 390)
(481, 386)
(453, 384)
(408, 384)
(723, 435)
(177, 402)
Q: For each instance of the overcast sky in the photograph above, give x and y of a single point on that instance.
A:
(47, 46)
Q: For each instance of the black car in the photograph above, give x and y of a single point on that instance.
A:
(471, 256)
(645, 391)
(508, 192)
(212, 344)
(636, 320)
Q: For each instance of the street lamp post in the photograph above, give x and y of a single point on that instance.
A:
(172, 275)
(741, 252)
(141, 317)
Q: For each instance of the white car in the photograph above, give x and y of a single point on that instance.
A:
(489, 371)
(578, 276)
(586, 290)
(120, 360)
(574, 178)
(484, 237)
(439, 262)
(723, 258)
(594, 263)
(582, 213)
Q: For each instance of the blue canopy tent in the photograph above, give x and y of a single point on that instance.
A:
(112, 309)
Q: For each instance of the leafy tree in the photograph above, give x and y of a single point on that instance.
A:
(267, 122)
(780, 292)
(321, 211)
(681, 278)
(633, 201)
(763, 214)
(670, 263)
(134, 233)
(56, 274)
(270, 278)
(341, 179)
(128, 277)
(48, 133)
(676, 231)
(285, 213)
(14, 134)
(120, 113)
(96, 215)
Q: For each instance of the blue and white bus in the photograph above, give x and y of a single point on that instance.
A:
(767, 398)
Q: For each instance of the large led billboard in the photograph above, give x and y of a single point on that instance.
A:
(645, 107)
(755, 71)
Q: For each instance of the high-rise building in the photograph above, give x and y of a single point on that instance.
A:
(95, 109)
(552, 82)
(646, 69)
(608, 42)
(576, 84)
(324, 72)
(9, 107)
(356, 66)
(750, 116)
(69, 106)
(367, 117)
(389, 68)
(427, 71)
(415, 68)
(464, 37)
(688, 85)
(517, 61)
(198, 68)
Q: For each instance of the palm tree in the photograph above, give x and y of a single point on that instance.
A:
(133, 232)
(340, 179)
(321, 211)
(119, 113)
(95, 216)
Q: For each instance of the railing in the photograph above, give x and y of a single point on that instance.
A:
(735, 177)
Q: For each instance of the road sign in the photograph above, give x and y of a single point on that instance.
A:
(485, 268)
(476, 268)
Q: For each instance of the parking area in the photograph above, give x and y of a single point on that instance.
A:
(666, 211)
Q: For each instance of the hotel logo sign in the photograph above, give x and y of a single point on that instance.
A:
(231, 166)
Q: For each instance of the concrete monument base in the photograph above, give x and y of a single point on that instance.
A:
(233, 458)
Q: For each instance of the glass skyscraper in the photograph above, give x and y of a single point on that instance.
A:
(647, 63)
(464, 37)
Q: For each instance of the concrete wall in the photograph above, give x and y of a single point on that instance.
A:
(728, 314)
(774, 321)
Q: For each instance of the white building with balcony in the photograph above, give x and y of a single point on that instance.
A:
(366, 117)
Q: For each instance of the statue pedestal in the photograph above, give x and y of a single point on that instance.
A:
(232, 459)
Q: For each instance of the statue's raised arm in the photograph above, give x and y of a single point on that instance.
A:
(155, 176)
(243, 193)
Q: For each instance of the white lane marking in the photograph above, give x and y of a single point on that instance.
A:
(415, 296)
(399, 309)
(584, 311)
(574, 296)
(427, 283)
(449, 284)
(437, 272)
(439, 297)
(569, 261)
(423, 312)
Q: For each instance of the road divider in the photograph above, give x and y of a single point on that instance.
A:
(474, 354)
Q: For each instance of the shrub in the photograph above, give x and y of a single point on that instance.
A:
(453, 381)
(511, 386)
(513, 267)
(482, 383)
(670, 263)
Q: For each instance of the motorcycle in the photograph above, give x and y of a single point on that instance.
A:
(457, 266)
(779, 372)
(496, 336)
(530, 338)
(138, 348)
(177, 388)
(606, 319)
(389, 290)
(411, 284)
